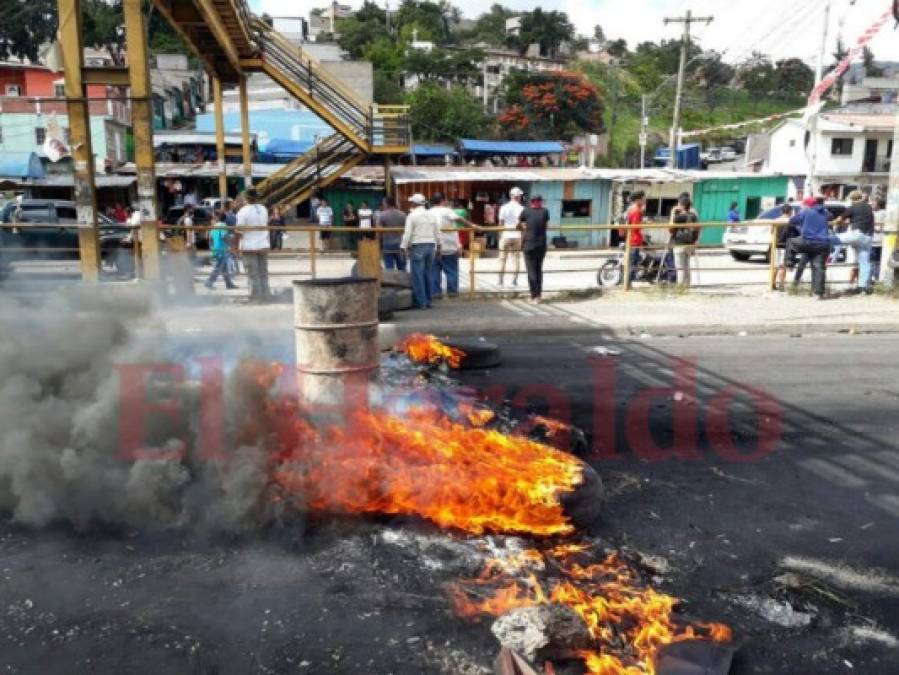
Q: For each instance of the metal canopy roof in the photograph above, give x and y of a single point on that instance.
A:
(470, 146)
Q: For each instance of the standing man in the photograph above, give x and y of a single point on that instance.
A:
(635, 236)
(813, 241)
(324, 214)
(510, 237)
(534, 222)
(683, 239)
(391, 217)
(447, 262)
(734, 215)
(255, 245)
(859, 238)
(422, 240)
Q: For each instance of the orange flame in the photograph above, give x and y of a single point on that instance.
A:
(620, 615)
(428, 349)
(463, 476)
(471, 479)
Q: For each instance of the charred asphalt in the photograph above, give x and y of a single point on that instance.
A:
(797, 549)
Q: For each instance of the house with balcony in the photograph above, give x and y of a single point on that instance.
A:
(852, 147)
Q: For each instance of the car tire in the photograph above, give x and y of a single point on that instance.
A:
(610, 275)
(479, 354)
(739, 256)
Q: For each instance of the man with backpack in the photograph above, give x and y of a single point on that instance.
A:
(683, 238)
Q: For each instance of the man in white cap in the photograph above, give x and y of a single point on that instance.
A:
(510, 238)
(421, 244)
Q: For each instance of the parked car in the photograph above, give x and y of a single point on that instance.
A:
(711, 156)
(728, 154)
(56, 242)
(745, 240)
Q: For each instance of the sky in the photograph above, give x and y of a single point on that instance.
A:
(779, 28)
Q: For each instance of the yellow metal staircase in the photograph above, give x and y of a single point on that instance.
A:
(322, 165)
(233, 42)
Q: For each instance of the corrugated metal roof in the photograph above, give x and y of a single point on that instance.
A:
(438, 174)
(472, 146)
(68, 181)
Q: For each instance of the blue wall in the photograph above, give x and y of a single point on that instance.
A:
(597, 191)
(295, 125)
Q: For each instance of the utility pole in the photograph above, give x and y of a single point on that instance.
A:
(891, 228)
(811, 113)
(486, 104)
(644, 121)
(687, 20)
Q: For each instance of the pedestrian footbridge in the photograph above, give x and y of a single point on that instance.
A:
(232, 42)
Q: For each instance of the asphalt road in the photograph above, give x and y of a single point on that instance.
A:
(809, 484)
(821, 501)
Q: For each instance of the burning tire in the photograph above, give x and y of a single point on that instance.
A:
(584, 505)
(478, 353)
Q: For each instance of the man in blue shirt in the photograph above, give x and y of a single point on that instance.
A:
(734, 215)
(813, 240)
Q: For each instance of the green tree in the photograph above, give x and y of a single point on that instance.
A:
(712, 72)
(387, 87)
(546, 29)
(490, 27)
(384, 54)
(871, 67)
(794, 77)
(599, 34)
(358, 31)
(617, 48)
(163, 38)
(432, 20)
(440, 114)
(25, 26)
(757, 75)
(102, 26)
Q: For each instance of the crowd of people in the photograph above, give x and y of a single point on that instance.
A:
(808, 235)
(812, 235)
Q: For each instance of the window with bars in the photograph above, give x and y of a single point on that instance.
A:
(40, 135)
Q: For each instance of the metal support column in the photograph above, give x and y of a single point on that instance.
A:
(388, 177)
(220, 137)
(142, 122)
(245, 135)
(80, 137)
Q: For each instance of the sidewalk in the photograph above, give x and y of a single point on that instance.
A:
(618, 314)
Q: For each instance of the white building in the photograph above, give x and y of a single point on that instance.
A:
(851, 149)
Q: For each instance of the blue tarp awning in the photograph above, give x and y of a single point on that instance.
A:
(21, 165)
(432, 150)
(286, 146)
(473, 147)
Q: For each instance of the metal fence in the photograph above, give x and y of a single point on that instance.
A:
(306, 247)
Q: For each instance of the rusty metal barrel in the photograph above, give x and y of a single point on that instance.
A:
(336, 324)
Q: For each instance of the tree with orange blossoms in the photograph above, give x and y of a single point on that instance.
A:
(558, 105)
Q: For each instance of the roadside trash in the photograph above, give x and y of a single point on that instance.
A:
(742, 333)
(606, 351)
(645, 336)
